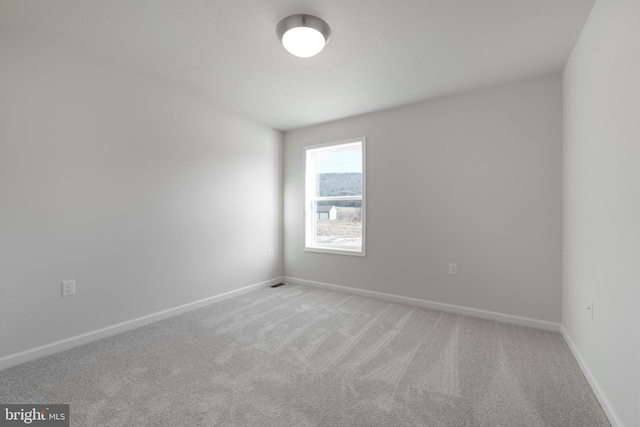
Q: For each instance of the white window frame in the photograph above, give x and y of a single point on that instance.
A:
(309, 199)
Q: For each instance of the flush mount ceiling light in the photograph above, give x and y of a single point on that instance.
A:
(303, 35)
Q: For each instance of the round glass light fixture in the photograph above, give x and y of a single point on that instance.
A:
(303, 35)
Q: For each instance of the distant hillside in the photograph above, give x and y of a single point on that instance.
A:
(340, 184)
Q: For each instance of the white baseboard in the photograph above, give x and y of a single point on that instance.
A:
(78, 340)
(483, 314)
(595, 386)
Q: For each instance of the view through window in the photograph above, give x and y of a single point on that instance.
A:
(334, 197)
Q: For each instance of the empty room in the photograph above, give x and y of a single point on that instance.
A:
(320, 213)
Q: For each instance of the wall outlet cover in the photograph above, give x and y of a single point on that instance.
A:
(68, 288)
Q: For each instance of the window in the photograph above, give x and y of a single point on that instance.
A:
(334, 197)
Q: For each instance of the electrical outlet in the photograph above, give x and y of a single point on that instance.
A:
(453, 268)
(270, 253)
(68, 288)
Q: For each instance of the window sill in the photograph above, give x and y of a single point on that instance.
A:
(335, 251)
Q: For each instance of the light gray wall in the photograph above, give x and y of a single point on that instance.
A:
(147, 198)
(473, 179)
(602, 203)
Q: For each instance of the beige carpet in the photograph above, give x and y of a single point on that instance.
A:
(298, 356)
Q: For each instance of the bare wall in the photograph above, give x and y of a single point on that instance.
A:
(147, 198)
(473, 179)
(602, 205)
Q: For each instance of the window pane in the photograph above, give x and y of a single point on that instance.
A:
(339, 172)
(334, 199)
(338, 223)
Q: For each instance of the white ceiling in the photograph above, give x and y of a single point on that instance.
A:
(382, 53)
